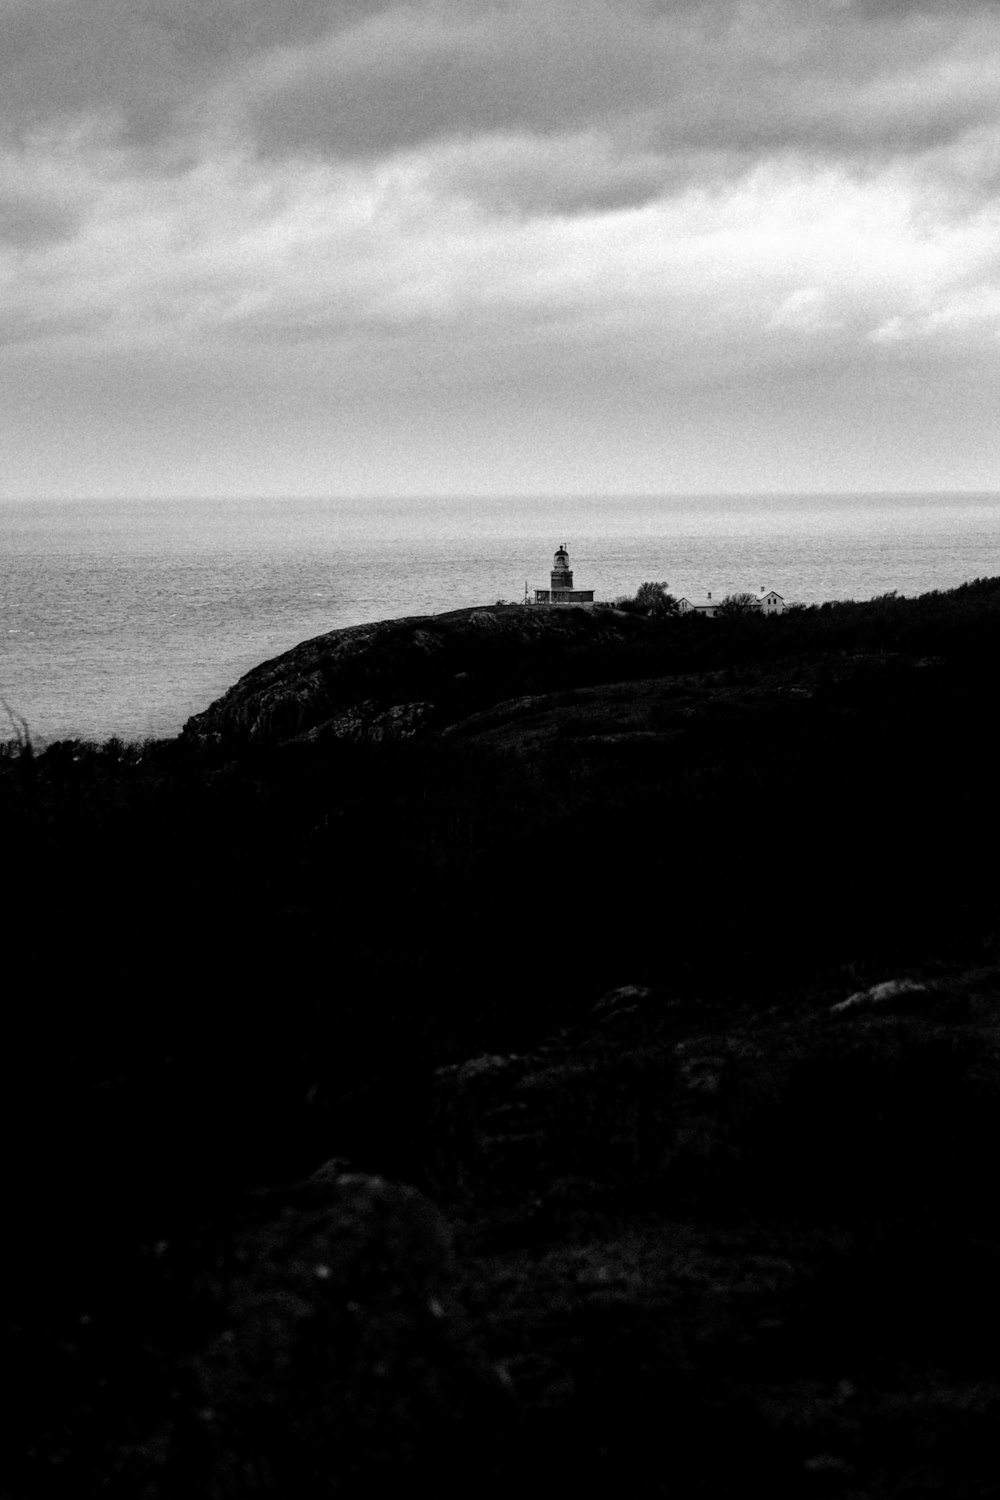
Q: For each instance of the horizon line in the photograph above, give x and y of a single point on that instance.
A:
(498, 496)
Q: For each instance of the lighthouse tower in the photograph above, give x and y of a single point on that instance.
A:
(561, 590)
(562, 573)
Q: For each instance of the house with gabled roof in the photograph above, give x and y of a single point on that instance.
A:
(768, 601)
(706, 606)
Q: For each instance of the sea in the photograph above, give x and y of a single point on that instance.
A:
(122, 618)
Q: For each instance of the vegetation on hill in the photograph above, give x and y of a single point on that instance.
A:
(739, 604)
(517, 1046)
(649, 599)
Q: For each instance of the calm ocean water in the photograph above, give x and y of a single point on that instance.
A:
(125, 617)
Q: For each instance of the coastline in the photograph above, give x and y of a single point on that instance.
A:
(128, 619)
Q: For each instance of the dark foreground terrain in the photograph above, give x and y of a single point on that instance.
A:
(514, 1051)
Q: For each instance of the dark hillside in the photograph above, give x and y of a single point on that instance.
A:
(397, 677)
(632, 987)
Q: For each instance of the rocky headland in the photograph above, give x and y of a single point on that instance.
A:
(393, 678)
(518, 1049)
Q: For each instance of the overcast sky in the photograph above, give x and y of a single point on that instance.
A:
(285, 247)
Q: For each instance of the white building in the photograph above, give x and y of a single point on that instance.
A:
(768, 601)
(706, 606)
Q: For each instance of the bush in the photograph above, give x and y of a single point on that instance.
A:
(649, 599)
(739, 604)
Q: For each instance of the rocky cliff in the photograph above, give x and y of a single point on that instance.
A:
(388, 679)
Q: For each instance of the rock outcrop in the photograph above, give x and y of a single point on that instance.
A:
(345, 1364)
(775, 1230)
(392, 678)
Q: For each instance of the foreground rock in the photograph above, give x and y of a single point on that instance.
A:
(389, 679)
(306, 1342)
(345, 1365)
(681, 1247)
(711, 1251)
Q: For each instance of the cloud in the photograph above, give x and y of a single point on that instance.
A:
(373, 77)
(748, 80)
(410, 252)
(804, 311)
(28, 220)
(140, 63)
(577, 172)
(422, 200)
(962, 318)
(413, 74)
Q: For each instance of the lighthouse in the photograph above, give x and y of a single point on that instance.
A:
(561, 590)
(562, 573)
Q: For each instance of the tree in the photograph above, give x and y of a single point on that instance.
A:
(739, 604)
(653, 599)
